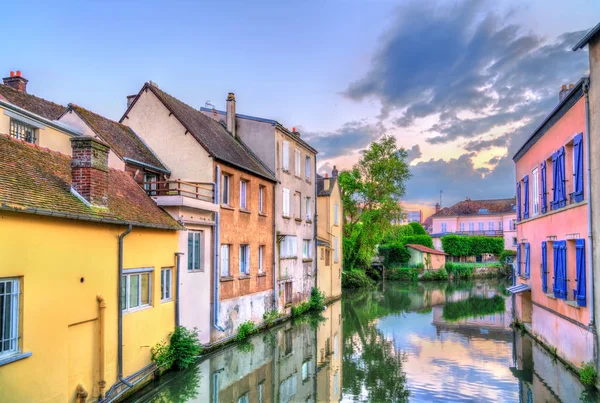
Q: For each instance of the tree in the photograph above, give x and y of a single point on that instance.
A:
(417, 228)
(371, 192)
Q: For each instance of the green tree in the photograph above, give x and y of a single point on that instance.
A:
(371, 192)
(417, 228)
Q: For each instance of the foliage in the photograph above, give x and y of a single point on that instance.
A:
(317, 299)
(459, 270)
(394, 253)
(396, 232)
(184, 387)
(245, 330)
(417, 228)
(424, 240)
(355, 279)
(313, 319)
(245, 346)
(435, 275)
(506, 254)
(474, 306)
(458, 245)
(270, 316)
(588, 374)
(403, 274)
(300, 309)
(180, 352)
(370, 194)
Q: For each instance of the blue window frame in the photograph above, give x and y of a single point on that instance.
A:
(527, 260)
(544, 267)
(518, 259)
(518, 201)
(578, 168)
(580, 292)
(526, 201)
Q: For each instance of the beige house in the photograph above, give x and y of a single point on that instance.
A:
(431, 259)
(329, 235)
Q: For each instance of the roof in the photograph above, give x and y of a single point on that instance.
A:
(470, 207)
(516, 289)
(587, 38)
(215, 138)
(424, 249)
(121, 139)
(39, 106)
(558, 112)
(321, 191)
(428, 222)
(38, 181)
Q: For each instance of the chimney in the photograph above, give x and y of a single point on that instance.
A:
(326, 182)
(437, 207)
(564, 91)
(89, 170)
(16, 81)
(231, 113)
(130, 99)
(334, 172)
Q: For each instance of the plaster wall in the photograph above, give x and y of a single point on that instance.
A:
(330, 277)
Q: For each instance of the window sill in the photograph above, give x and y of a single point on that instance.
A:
(164, 301)
(524, 278)
(244, 277)
(308, 181)
(309, 221)
(14, 357)
(261, 275)
(298, 219)
(306, 260)
(289, 258)
(298, 177)
(226, 207)
(573, 304)
(243, 210)
(551, 296)
(196, 271)
(225, 279)
(286, 217)
(285, 171)
(137, 309)
(262, 214)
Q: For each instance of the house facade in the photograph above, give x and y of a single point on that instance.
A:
(553, 281)
(494, 217)
(329, 235)
(431, 259)
(223, 194)
(293, 161)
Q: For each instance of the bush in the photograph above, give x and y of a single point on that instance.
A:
(588, 374)
(300, 309)
(424, 240)
(403, 274)
(245, 330)
(435, 275)
(270, 316)
(180, 352)
(417, 228)
(355, 278)
(506, 254)
(394, 253)
(460, 245)
(397, 232)
(458, 270)
(317, 299)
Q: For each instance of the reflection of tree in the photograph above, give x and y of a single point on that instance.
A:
(370, 362)
(182, 388)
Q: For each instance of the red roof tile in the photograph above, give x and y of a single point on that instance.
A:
(478, 207)
(424, 249)
(39, 106)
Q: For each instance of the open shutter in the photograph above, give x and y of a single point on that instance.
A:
(555, 170)
(555, 286)
(527, 255)
(518, 259)
(578, 168)
(580, 268)
(544, 267)
(561, 264)
(562, 194)
(544, 193)
(526, 201)
(518, 201)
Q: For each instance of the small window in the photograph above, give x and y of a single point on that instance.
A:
(462, 226)
(514, 241)
(535, 191)
(298, 163)
(166, 284)
(286, 156)
(9, 316)
(328, 257)
(244, 398)
(243, 188)
(245, 259)
(336, 252)
(150, 185)
(491, 226)
(444, 227)
(308, 208)
(261, 259)
(225, 190)
(500, 225)
(195, 250)
(306, 370)
(261, 195)
(225, 261)
(480, 226)
(288, 300)
(136, 290)
(297, 205)
(22, 131)
(288, 247)
(336, 220)
(286, 202)
(306, 249)
(471, 226)
(307, 164)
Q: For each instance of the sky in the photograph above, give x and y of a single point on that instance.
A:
(460, 84)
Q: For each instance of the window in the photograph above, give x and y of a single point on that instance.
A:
(286, 202)
(306, 249)
(526, 197)
(327, 257)
(297, 163)
(225, 261)
(150, 185)
(444, 227)
(195, 250)
(9, 316)
(560, 269)
(471, 226)
(480, 226)
(288, 291)
(544, 192)
(22, 131)
(287, 388)
(336, 254)
(306, 369)
(260, 392)
(307, 167)
(261, 259)
(308, 209)
(225, 194)
(500, 225)
(166, 284)
(244, 398)
(261, 193)
(580, 293)
(513, 225)
(514, 241)
(243, 187)
(578, 168)
(297, 205)
(462, 226)
(559, 198)
(245, 259)
(135, 288)
(536, 191)
(519, 201)
(336, 220)
(527, 259)
(491, 226)
(288, 247)
(286, 156)
(336, 381)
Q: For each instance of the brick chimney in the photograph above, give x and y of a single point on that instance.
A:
(231, 113)
(334, 172)
(89, 169)
(16, 81)
(130, 99)
(437, 207)
(326, 183)
(564, 91)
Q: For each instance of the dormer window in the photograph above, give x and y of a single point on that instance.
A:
(22, 131)
(483, 211)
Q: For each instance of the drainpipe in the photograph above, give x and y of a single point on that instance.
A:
(586, 88)
(120, 314)
(82, 394)
(178, 270)
(216, 242)
(275, 266)
(315, 223)
(101, 311)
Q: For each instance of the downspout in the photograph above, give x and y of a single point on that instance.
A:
(177, 268)
(101, 312)
(275, 266)
(120, 308)
(216, 243)
(315, 223)
(586, 88)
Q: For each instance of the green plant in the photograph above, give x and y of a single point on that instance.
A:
(434, 275)
(417, 228)
(180, 352)
(424, 240)
(245, 346)
(317, 299)
(356, 278)
(460, 245)
(394, 253)
(459, 270)
(245, 330)
(474, 306)
(300, 309)
(505, 254)
(270, 316)
(588, 374)
(403, 274)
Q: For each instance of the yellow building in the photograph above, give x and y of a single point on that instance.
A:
(71, 229)
(329, 235)
(329, 355)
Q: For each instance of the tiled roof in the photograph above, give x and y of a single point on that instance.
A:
(39, 106)
(478, 207)
(215, 138)
(37, 180)
(424, 249)
(119, 137)
(321, 191)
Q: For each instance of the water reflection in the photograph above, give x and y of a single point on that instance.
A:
(390, 344)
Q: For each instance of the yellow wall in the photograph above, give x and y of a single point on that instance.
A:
(330, 277)
(59, 324)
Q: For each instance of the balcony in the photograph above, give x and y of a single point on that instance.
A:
(200, 195)
(483, 232)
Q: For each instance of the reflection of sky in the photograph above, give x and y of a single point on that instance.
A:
(449, 366)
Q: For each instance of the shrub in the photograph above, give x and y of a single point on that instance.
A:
(182, 349)
(435, 275)
(459, 245)
(270, 316)
(245, 330)
(394, 253)
(355, 278)
(403, 274)
(458, 270)
(317, 299)
(424, 240)
(417, 228)
(396, 232)
(588, 374)
(300, 309)
(506, 254)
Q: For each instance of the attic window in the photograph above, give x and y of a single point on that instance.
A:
(483, 211)
(22, 131)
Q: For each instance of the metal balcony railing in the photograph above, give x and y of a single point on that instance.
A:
(196, 190)
(482, 232)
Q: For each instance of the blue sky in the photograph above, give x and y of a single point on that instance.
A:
(345, 72)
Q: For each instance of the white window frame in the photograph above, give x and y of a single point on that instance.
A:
(308, 208)
(261, 195)
(192, 253)
(166, 284)
(285, 155)
(471, 226)
(444, 227)
(307, 169)
(225, 189)
(225, 260)
(128, 274)
(306, 249)
(261, 259)
(462, 226)
(288, 247)
(23, 131)
(150, 187)
(306, 370)
(535, 191)
(500, 225)
(286, 202)
(336, 252)
(297, 163)
(491, 226)
(480, 226)
(336, 208)
(244, 258)
(298, 205)
(243, 194)
(12, 318)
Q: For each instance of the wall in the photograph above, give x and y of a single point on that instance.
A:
(329, 355)
(451, 224)
(330, 277)
(67, 251)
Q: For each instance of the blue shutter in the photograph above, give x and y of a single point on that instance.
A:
(560, 269)
(554, 204)
(518, 201)
(527, 261)
(556, 255)
(518, 259)
(526, 201)
(580, 268)
(578, 168)
(544, 193)
(562, 194)
(544, 267)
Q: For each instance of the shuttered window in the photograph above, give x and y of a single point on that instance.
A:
(527, 260)
(559, 198)
(544, 191)
(518, 201)
(285, 163)
(560, 269)
(578, 168)
(526, 197)
(580, 293)
(286, 202)
(544, 267)
(518, 259)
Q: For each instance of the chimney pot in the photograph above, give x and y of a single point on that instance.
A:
(130, 99)
(334, 172)
(230, 117)
(564, 91)
(16, 81)
(571, 86)
(18, 73)
(89, 169)
(563, 87)
(12, 73)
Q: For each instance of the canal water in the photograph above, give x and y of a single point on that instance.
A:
(423, 342)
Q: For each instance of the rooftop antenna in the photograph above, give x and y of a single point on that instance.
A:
(441, 198)
(208, 104)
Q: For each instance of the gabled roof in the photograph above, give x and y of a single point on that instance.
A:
(424, 249)
(38, 181)
(321, 191)
(587, 38)
(212, 135)
(39, 106)
(478, 208)
(120, 138)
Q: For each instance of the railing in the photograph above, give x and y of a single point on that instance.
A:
(482, 232)
(194, 190)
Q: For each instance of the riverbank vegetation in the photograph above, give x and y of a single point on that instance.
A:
(179, 352)
(473, 307)
(315, 303)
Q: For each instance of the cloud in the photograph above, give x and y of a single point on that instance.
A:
(413, 153)
(351, 137)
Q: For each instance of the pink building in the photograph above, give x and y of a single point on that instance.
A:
(552, 230)
(496, 217)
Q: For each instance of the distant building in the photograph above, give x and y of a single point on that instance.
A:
(408, 216)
